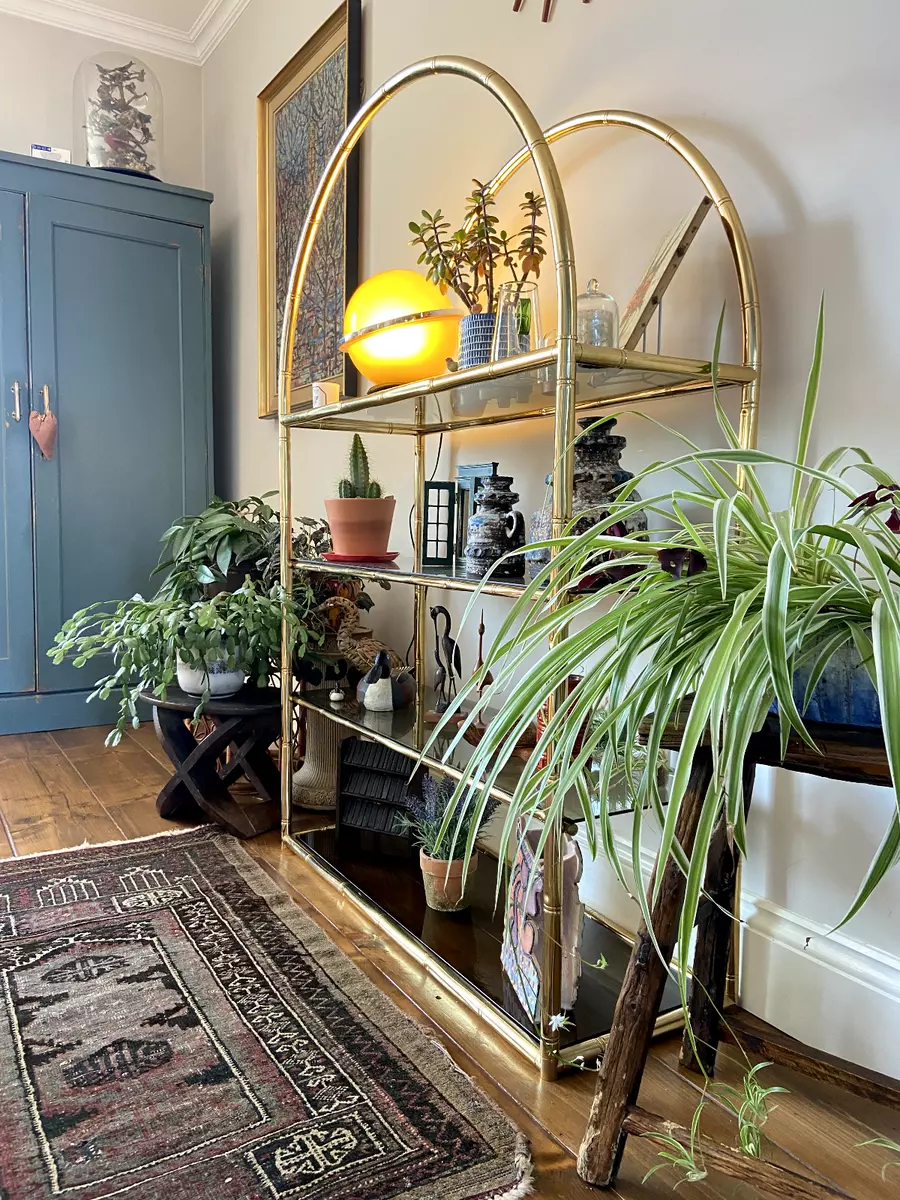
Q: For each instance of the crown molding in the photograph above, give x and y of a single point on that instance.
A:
(80, 16)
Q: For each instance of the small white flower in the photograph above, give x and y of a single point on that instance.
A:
(559, 1021)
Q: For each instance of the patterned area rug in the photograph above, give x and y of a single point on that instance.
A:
(175, 1027)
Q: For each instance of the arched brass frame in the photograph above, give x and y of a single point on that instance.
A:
(536, 149)
(751, 334)
(564, 264)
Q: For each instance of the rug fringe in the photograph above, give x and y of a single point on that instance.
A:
(148, 837)
(524, 1169)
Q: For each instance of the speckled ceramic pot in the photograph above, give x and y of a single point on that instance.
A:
(495, 529)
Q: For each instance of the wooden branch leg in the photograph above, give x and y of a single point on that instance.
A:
(638, 1004)
(714, 932)
(769, 1178)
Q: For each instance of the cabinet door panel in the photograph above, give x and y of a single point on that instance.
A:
(17, 670)
(118, 310)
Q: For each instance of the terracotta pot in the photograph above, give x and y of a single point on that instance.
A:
(360, 527)
(444, 882)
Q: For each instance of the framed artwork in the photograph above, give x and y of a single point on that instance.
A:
(666, 260)
(301, 115)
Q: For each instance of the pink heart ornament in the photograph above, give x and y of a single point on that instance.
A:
(44, 428)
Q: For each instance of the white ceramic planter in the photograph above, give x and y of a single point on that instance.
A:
(217, 676)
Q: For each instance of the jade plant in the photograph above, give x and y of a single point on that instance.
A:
(358, 485)
(469, 260)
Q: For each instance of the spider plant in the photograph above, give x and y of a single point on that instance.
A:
(750, 1106)
(728, 595)
(887, 1144)
(686, 1159)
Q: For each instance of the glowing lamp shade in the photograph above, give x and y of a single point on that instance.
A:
(399, 327)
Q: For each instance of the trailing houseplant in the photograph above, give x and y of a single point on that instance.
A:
(470, 261)
(718, 608)
(444, 870)
(149, 639)
(360, 516)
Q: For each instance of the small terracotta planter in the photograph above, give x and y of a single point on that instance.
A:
(444, 882)
(360, 528)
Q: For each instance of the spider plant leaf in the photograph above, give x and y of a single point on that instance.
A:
(886, 644)
(785, 532)
(774, 628)
(723, 511)
(809, 408)
(715, 673)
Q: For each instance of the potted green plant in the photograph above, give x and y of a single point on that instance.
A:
(469, 261)
(216, 548)
(360, 516)
(154, 643)
(447, 852)
(718, 609)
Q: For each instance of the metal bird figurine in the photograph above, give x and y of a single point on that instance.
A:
(447, 657)
(488, 678)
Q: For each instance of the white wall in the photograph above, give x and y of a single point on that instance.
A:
(37, 74)
(796, 106)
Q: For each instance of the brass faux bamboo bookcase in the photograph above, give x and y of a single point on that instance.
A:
(541, 384)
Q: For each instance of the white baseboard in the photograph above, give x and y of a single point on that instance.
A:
(826, 989)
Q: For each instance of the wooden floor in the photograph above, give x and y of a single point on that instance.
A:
(63, 789)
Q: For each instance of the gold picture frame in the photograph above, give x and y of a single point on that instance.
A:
(300, 116)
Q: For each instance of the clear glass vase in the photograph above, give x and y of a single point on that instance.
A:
(518, 326)
(118, 114)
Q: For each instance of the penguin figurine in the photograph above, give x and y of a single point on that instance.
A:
(379, 691)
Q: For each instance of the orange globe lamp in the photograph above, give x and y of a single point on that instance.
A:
(400, 327)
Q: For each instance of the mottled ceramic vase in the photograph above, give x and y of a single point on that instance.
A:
(495, 529)
(599, 475)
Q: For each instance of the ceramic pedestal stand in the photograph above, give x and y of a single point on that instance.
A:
(315, 784)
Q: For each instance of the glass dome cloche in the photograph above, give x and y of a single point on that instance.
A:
(118, 113)
(597, 317)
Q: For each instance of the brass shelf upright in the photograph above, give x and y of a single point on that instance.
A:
(648, 377)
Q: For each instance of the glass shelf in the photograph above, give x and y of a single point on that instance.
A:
(516, 389)
(469, 942)
(402, 731)
(452, 577)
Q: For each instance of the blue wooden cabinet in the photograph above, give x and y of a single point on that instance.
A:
(104, 316)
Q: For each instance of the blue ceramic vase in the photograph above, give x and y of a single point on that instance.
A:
(476, 334)
(845, 695)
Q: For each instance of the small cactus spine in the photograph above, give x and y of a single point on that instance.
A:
(359, 486)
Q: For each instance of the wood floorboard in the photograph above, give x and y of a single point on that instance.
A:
(63, 789)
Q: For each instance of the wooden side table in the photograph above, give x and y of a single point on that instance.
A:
(855, 755)
(248, 724)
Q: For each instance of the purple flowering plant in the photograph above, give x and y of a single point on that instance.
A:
(428, 813)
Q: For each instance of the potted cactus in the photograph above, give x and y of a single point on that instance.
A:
(360, 517)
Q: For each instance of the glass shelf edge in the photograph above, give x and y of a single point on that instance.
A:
(696, 372)
(512, 589)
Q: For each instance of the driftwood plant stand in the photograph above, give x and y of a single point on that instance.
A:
(854, 755)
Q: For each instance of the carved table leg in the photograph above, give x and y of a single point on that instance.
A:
(638, 1004)
(196, 773)
(715, 927)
